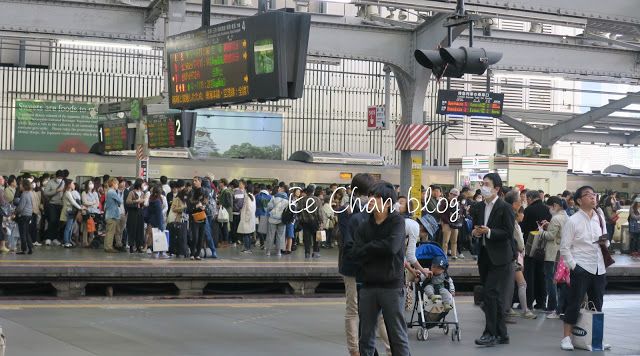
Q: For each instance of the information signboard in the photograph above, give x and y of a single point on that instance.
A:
(113, 133)
(165, 131)
(376, 118)
(470, 103)
(262, 57)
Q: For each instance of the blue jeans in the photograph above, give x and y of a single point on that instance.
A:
(208, 234)
(68, 228)
(549, 271)
(246, 238)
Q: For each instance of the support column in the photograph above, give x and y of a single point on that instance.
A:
(304, 287)
(69, 289)
(191, 288)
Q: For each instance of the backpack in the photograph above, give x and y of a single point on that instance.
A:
(287, 216)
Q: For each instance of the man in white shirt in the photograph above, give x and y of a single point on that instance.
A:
(580, 248)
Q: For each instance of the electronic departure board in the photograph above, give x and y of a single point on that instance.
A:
(171, 130)
(113, 134)
(471, 103)
(262, 57)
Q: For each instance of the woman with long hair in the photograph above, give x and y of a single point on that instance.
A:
(154, 214)
(247, 225)
(513, 198)
(91, 201)
(71, 205)
(196, 205)
(135, 220)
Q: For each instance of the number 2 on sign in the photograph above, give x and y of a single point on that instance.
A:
(178, 124)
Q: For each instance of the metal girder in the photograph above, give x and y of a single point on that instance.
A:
(570, 12)
(527, 130)
(585, 137)
(74, 18)
(633, 46)
(552, 117)
(552, 134)
(531, 52)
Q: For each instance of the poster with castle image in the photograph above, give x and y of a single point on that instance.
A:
(238, 134)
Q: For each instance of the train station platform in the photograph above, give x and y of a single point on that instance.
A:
(78, 272)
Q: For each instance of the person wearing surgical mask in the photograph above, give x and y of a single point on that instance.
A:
(493, 221)
(91, 201)
(552, 235)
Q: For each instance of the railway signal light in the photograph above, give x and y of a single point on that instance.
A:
(456, 62)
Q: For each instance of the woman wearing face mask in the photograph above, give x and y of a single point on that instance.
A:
(70, 208)
(135, 220)
(552, 235)
(91, 201)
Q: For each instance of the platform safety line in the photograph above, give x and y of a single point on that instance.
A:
(171, 263)
(251, 305)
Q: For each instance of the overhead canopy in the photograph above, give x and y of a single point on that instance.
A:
(367, 159)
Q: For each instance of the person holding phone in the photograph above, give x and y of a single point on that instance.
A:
(493, 221)
(582, 236)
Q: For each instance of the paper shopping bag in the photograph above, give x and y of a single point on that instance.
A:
(159, 241)
(588, 332)
(321, 236)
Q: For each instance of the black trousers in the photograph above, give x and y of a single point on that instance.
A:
(536, 288)
(197, 237)
(234, 229)
(33, 229)
(309, 237)
(135, 229)
(53, 218)
(583, 282)
(24, 223)
(494, 279)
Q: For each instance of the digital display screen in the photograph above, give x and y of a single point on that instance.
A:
(210, 66)
(165, 131)
(113, 133)
(471, 103)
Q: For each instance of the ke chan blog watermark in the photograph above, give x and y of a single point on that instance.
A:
(355, 203)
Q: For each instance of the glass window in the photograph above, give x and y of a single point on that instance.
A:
(264, 56)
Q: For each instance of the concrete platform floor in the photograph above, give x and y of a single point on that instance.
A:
(293, 327)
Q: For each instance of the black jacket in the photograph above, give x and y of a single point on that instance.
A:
(500, 246)
(349, 224)
(534, 213)
(379, 252)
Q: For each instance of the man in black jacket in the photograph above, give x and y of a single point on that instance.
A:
(493, 222)
(379, 251)
(535, 214)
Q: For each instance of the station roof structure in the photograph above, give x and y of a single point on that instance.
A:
(607, 49)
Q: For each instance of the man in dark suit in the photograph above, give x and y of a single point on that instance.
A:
(535, 215)
(493, 222)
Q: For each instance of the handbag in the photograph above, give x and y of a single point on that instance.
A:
(606, 255)
(199, 216)
(321, 236)
(223, 215)
(91, 225)
(160, 240)
(562, 274)
(588, 332)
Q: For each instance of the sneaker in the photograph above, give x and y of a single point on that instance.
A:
(4, 250)
(607, 347)
(37, 244)
(56, 243)
(566, 344)
(529, 315)
(454, 257)
(461, 256)
(47, 242)
(316, 255)
(247, 252)
(67, 245)
(279, 254)
(553, 315)
(512, 312)
(149, 251)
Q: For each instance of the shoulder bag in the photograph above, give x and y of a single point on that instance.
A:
(606, 255)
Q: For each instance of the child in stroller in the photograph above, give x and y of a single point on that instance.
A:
(440, 286)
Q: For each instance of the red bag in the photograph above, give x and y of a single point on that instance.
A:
(91, 225)
(562, 274)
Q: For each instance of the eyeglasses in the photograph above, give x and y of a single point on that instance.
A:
(588, 195)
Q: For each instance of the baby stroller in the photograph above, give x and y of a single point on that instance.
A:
(425, 253)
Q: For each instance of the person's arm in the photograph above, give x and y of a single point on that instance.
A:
(388, 245)
(72, 201)
(410, 254)
(50, 190)
(452, 288)
(517, 234)
(568, 236)
(85, 200)
(115, 196)
(131, 202)
(505, 230)
(552, 231)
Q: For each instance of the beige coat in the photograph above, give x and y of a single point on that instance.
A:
(553, 235)
(248, 215)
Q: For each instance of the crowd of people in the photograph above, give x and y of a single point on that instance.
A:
(542, 253)
(200, 215)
